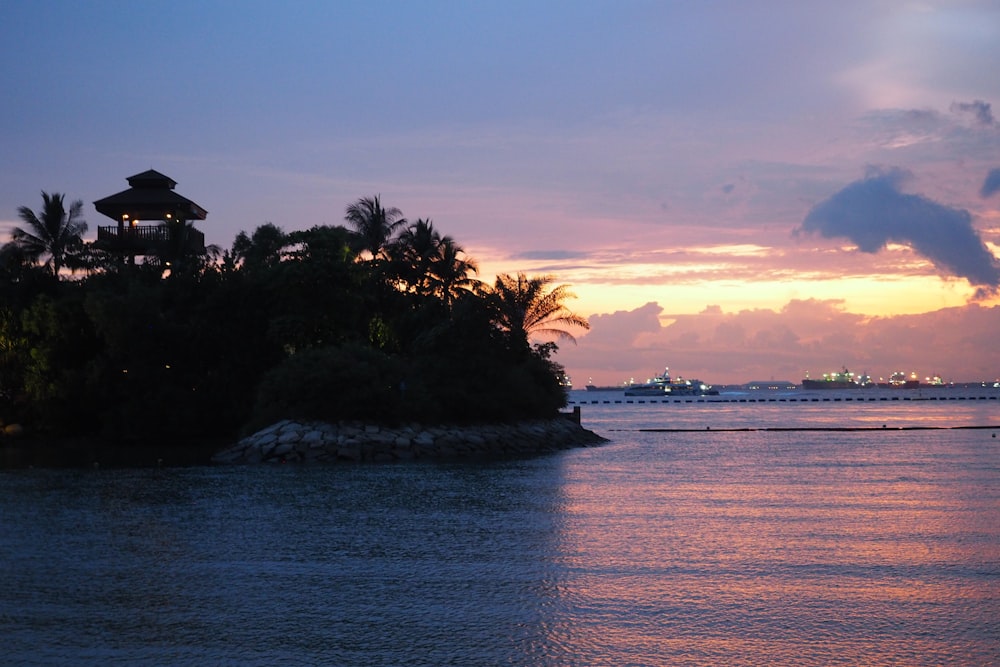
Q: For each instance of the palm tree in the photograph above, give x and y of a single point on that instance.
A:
(451, 272)
(412, 255)
(524, 306)
(430, 264)
(55, 232)
(373, 223)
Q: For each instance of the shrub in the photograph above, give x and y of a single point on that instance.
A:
(332, 384)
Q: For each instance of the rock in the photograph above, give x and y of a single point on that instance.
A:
(349, 453)
(313, 437)
(282, 448)
(351, 441)
(289, 436)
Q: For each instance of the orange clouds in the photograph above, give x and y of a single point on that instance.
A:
(783, 344)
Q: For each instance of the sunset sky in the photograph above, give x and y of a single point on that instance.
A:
(739, 191)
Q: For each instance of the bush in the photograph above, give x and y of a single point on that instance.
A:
(332, 384)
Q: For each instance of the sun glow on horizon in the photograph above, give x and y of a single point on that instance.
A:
(688, 287)
(883, 296)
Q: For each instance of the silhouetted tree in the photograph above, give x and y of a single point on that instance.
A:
(523, 306)
(429, 264)
(452, 272)
(262, 250)
(54, 232)
(318, 295)
(412, 255)
(374, 224)
(16, 264)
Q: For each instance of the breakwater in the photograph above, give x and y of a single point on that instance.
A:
(291, 441)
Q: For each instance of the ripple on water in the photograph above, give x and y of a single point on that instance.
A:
(740, 548)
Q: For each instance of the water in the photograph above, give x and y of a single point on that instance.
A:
(703, 547)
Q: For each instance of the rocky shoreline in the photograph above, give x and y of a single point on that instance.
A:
(291, 441)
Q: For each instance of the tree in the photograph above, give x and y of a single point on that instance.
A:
(321, 243)
(429, 264)
(452, 272)
(15, 263)
(262, 250)
(374, 224)
(56, 232)
(412, 255)
(522, 306)
(316, 296)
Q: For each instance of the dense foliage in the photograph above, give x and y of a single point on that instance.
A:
(381, 321)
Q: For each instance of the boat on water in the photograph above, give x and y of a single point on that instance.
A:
(665, 385)
(845, 379)
(594, 387)
(651, 388)
(899, 380)
(848, 380)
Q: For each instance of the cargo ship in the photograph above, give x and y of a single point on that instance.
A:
(842, 380)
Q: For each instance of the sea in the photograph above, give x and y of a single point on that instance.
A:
(750, 528)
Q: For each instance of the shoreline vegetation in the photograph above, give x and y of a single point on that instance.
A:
(125, 352)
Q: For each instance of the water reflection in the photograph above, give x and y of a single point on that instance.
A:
(892, 409)
(731, 549)
(698, 548)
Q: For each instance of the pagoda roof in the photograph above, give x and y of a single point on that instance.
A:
(151, 179)
(150, 196)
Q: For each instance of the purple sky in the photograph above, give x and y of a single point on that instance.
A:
(735, 190)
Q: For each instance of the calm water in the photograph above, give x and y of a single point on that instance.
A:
(661, 548)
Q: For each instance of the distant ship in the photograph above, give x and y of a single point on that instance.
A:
(594, 387)
(899, 380)
(848, 380)
(664, 385)
(842, 380)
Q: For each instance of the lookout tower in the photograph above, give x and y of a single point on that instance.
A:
(151, 197)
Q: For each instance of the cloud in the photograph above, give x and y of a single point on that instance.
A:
(980, 110)
(805, 335)
(873, 212)
(991, 184)
(551, 254)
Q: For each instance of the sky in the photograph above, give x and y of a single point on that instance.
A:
(735, 190)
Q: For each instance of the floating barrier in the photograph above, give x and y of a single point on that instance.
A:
(818, 428)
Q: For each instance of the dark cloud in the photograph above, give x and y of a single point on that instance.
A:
(991, 185)
(873, 212)
(980, 110)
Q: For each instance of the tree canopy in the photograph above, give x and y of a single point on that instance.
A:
(383, 320)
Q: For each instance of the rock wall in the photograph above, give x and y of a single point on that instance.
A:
(293, 441)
